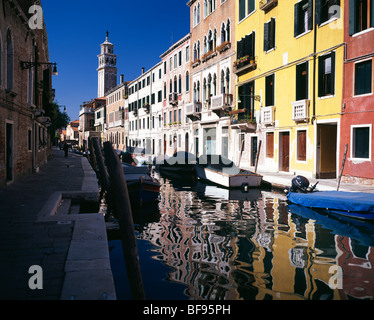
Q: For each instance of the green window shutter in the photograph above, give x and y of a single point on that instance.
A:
(296, 19)
(352, 15)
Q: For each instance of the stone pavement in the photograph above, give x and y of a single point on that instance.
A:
(40, 225)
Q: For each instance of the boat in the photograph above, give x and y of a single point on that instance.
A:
(222, 171)
(181, 163)
(141, 186)
(358, 205)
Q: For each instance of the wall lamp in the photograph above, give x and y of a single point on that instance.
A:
(29, 65)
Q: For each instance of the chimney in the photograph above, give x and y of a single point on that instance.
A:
(122, 78)
(143, 70)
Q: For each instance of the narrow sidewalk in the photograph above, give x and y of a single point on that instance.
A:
(37, 228)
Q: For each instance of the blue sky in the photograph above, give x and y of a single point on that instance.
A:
(140, 31)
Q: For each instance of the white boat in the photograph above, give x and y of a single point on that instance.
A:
(222, 171)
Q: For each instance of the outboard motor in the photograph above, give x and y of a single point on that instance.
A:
(300, 184)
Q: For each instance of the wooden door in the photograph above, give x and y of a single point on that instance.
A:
(285, 151)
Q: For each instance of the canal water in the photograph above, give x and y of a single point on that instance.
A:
(204, 242)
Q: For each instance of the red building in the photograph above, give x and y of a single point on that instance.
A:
(358, 92)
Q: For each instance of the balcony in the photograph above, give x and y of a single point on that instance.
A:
(244, 64)
(147, 108)
(220, 103)
(300, 110)
(173, 98)
(268, 115)
(241, 119)
(193, 110)
(267, 5)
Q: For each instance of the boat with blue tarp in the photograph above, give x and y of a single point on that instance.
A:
(352, 204)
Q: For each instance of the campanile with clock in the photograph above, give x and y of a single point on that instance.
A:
(107, 70)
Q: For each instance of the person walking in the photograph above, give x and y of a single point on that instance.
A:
(66, 150)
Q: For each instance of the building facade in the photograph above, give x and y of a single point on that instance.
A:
(358, 100)
(25, 92)
(290, 75)
(117, 116)
(144, 107)
(176, 95)
(212, 81)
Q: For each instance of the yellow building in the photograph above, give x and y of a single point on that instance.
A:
(289, 71)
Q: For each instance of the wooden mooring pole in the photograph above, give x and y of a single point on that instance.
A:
(341, 169)
(122, 206)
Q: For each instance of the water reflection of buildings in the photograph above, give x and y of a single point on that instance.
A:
(253, 250)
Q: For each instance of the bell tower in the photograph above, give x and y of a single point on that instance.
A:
(107, 70)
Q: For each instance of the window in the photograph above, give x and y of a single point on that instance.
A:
(270, 144)
(29, 140)
(245, 8)
(1, 60)
(361, 15)
(269, 35)
(303, 19)
(326, 11)
(301, 145)
(269, 90)
(326, 70)
(302, 81)
(187, 81)
(9, 61)
(361, 142)
(187, 53)
(363, 77)
(246, 47)
(246, 98)
(180, 58)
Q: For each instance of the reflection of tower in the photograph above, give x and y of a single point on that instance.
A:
(107, 70)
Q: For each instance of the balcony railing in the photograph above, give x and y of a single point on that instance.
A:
(267, 115)
(300, 110)
(241, 119)
(221, 102)
(266, 5)
(193, 110)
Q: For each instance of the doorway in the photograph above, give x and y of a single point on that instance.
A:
(9, 152)
(326, 151)
(253, 151)
(284, 151)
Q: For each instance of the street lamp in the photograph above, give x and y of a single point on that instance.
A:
(29, 65)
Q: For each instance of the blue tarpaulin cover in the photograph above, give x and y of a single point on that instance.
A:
(335, 200)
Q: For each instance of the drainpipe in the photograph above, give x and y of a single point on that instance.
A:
(314, 65)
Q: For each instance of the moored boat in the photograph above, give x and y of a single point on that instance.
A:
(141, 186)
(181, 163)
(351, 204)
(222, 171)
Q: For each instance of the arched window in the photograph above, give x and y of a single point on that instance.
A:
(194, 52)
(223, 33)
(215, 39)
(210, 41)
(223, 82)
(204, 90)
(198, 14)
(198, 91)
(187, 81)
(9, 61)
(214, 85)
(227, 80)
(180, 84)
(198, 49)
(194, 15)
(205, 8)
(205, 45)
(228, 31)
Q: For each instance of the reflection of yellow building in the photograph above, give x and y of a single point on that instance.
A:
(290, 69)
